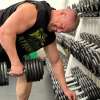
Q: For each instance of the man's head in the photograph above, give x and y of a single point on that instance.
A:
(65, 20)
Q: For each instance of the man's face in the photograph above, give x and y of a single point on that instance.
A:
(66, 21)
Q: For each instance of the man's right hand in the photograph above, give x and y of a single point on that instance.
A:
(70, 94)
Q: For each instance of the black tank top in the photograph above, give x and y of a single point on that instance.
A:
(37, 36)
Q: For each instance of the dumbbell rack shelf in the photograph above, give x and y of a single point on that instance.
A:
(95, 79)
(70, 82)
(89, 25)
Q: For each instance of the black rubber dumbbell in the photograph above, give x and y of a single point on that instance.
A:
(34, 71)
(90, 38)
(89, 88)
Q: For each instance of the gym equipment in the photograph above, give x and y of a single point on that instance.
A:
(33, 71)
(33, 67)
(71, 83)
(87, 8)
(85, 52)
(90, 38)
(88, 86)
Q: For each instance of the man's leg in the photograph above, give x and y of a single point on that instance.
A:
(23, 88)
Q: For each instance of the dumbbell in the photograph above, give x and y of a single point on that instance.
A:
(86, 59)
(81, 6)
(57, 89)
(91, 57)
(85, 83)
(90, 38)
(93, 54)
(79, 51)
(88, 6)
(92, 92)
(89, 45)
(95, 61)
(85, 6)
(81, 96)
(89, 88)
(81, 54)
(73, 86)
(74, 6)
(34, 71)
(96, 5)
(76, 50)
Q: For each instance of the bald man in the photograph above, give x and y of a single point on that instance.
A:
(36, 23)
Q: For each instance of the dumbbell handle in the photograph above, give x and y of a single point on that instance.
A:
(85, 98)
(76, 88)
(67, 76)
(79, 93)
(71, 84)
(70, 79)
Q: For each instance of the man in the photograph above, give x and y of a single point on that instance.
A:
(36, 22)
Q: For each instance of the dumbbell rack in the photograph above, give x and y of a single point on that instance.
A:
(89, 87)
(86, 55)
(87, 8)
(71, 82)
(89, 25)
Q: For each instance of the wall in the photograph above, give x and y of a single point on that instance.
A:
(58, 4)
(70, 2)
(6, 3)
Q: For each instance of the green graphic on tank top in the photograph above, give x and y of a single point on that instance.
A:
(30, 56)
(39, 34)
(32, 41)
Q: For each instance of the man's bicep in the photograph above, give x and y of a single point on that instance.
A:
(52, 52)
(20, 20)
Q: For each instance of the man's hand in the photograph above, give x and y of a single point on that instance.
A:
(70, 94)
(58, 69)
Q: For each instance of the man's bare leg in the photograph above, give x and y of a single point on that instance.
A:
(7, 41)
(23, 88)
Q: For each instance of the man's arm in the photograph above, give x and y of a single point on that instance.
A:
(22, 19)
(58, 69)
(18, 22)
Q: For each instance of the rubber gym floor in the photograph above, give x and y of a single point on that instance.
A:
(41, 90)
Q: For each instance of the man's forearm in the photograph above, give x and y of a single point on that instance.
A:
(58, 70)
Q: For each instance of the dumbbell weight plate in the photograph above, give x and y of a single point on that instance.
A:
(4, 80)
(5, 74)
(41, 68)
(37, 70)
(2, 71)
(27, 71)
(33, 72)
(26, 74)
